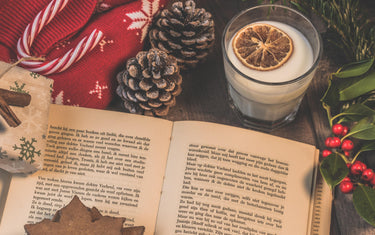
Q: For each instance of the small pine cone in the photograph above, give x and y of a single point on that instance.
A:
(185, 32)
(150, 83)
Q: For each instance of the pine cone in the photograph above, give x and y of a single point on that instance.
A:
(150, 83)
(185, 32)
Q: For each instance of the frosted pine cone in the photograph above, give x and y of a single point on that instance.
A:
(184, 31)
(150, 83)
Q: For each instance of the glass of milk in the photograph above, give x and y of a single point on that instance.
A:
(265, 100)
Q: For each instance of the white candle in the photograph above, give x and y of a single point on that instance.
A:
(265, 101)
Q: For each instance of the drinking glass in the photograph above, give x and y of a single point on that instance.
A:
(270, 99)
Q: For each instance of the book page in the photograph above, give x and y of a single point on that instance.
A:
(227, 180)
(111, 160)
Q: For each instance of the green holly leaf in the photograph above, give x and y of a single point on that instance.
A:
(345, 83)
(333, 169)
(356, 112)
(361, 87)
(363, 129)
(367, 146)
(355, 69)
(370, 101)
(331, 98)
(364, 203)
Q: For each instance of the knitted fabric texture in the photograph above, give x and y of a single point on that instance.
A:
(90, 81)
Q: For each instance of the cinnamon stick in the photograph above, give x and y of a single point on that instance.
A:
(15, 98)
(7, 113)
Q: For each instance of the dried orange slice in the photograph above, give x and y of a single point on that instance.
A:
(262, 46)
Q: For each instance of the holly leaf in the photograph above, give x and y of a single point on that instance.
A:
(356, 112)
(331, 98)
(370, 101)
(339, 84)
(355, 69)
(363, 129)
(361, 87)
(369, 146)
(333, 169)
(364, 203)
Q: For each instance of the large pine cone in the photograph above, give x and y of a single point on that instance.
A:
(185, 32)
(150, 83)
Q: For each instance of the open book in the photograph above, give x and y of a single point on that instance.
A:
(184, 177)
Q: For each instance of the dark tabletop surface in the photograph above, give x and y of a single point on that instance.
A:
(204, 98)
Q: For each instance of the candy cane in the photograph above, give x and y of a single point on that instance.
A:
(59, 64)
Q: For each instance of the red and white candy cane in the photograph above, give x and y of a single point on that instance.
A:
(61, 63)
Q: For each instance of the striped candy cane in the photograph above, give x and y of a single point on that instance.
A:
(61, 63)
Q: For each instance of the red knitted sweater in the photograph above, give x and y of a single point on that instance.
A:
(90, 81)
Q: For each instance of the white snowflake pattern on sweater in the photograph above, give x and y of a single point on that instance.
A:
(143, 18)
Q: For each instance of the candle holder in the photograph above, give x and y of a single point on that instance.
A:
(265, 100)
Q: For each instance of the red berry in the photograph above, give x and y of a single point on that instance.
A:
(345, 131)
(347, 153)
(372, 181)
(347, 145)
(346, 179)
(328, 142)
(326, 152)
(364, 167)
(356, 168)
(332, 142)
(337, 129)
(348, 165)
(335, 142)
(346, 186)
(368, 174)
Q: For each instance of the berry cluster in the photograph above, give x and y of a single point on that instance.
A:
(358, 171)
(334, 142)
(358, 174)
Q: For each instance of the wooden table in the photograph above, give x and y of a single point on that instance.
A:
(204, 98)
